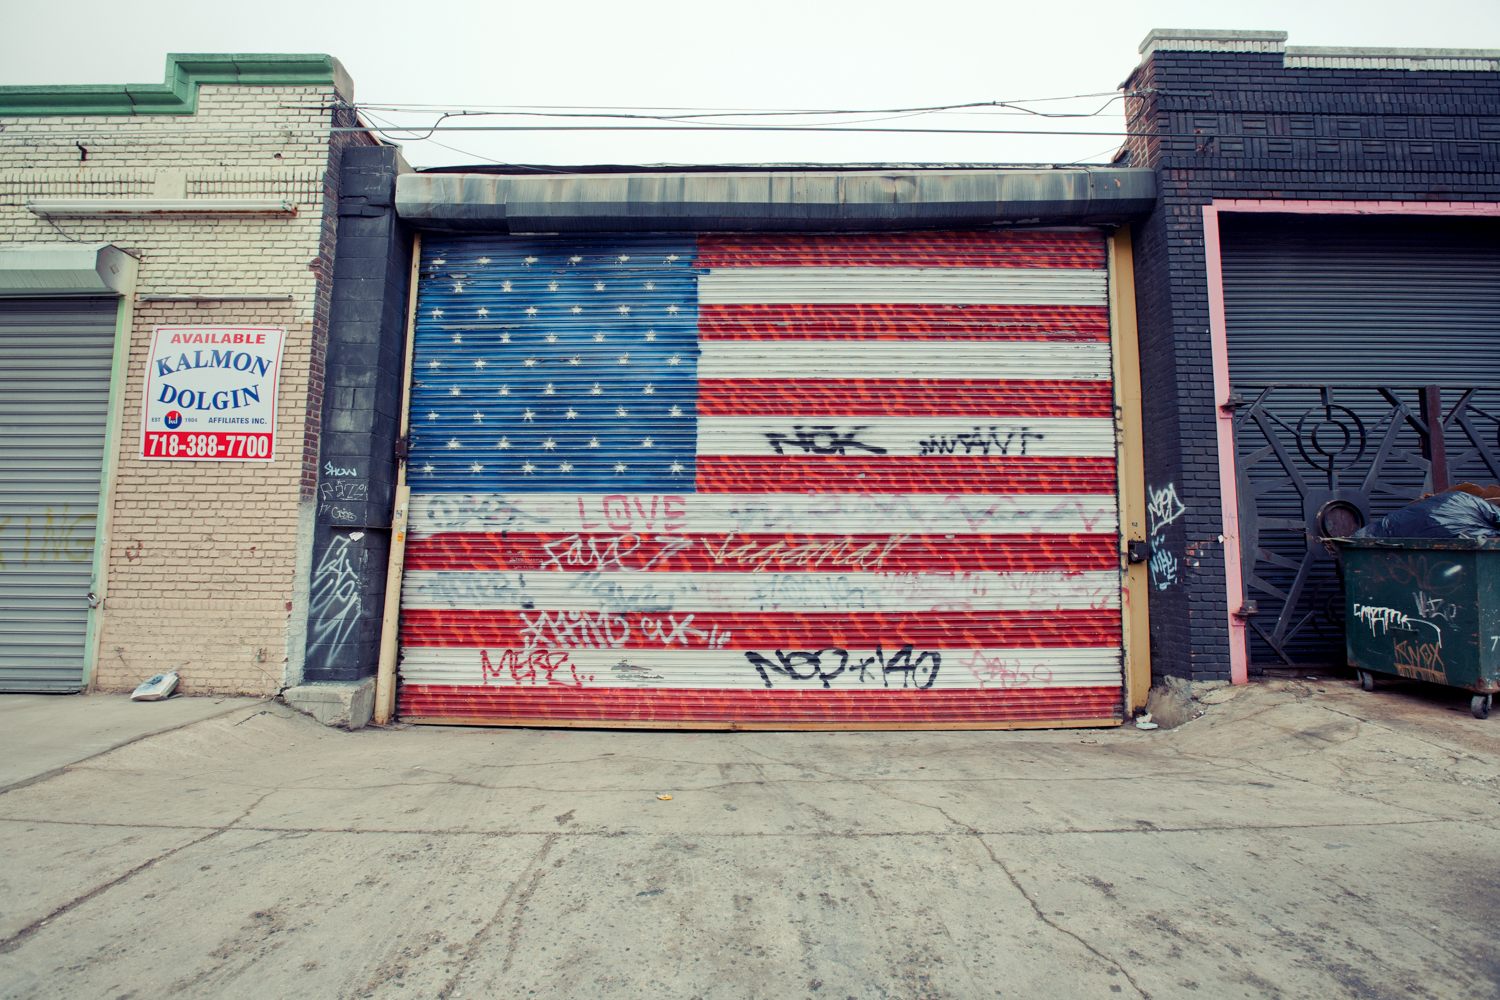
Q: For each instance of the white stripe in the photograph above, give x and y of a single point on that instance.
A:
(1087, 360)
(721, 513)
(721, 669)
(893, 285)
(907, 436)
(615, 592)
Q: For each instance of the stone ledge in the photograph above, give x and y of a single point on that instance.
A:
(343, 704)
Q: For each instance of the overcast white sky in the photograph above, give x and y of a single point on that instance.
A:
(769, 54)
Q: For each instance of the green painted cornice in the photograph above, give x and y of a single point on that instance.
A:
(179, 94)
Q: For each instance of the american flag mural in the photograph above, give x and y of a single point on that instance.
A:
(761, 481)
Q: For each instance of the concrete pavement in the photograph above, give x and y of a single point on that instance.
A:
(41, 733)
(1301, 839)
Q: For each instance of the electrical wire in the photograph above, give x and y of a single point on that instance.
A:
(434, 129)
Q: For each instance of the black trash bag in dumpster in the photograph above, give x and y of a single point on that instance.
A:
(1453, 514)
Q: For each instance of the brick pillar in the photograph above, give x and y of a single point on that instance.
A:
(361, 410)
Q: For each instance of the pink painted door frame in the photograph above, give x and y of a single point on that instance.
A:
(1234, 590)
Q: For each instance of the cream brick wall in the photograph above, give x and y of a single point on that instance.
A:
(202, 561)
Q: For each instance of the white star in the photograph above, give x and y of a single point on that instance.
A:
(676, 466)
(624, 257)
(577, 310)
(675, 359)
(432, 416)
(650, 334)
(479, 363)
(620, 411)
(483, 312)
(646, 443)
(484, 260)
(458, 338)
(575, 260)
(650, 286)
(505, 390)
(476, 467)
(505, 338)
(458, 286)
(575, 359)
(434, 364)
(427, 467)
(531, 310)
(455, 391)
(619, 467)
(650, 390)
(548, 390)
(598, 338)
(675, 411)
(530, 261)
(528, 468)
(596, 391)
(505, 286)
(437, 314)
(624, 310)
(548, 444)
(593, 442)
(453, 443)
(571, 414)
(503, 444)
(672, 258)
(598, 286)
(479, 418)
(527, 416)
(552, 287)
(565, 467)
(672, 310)
(551, 338)
(624, 359)
(530, 362)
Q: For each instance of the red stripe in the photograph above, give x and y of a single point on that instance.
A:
(904, 397)
(701, 553)
(909, 322)
(767, 630)
(436, 703)
(937, 474)
(946, 249)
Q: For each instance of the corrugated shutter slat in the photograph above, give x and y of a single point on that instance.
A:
(55, 357)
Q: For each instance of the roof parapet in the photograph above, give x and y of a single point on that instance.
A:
(178, 95)
(1317, 57)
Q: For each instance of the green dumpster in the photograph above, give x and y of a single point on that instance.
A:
(1427, 609)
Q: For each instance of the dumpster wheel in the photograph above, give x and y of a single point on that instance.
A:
(1367, 680)
(1480, 705)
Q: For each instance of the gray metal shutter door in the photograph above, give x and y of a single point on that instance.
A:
(1362, 301)
(55, 358)
(1354, 305)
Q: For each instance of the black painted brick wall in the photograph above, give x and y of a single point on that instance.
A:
(361, 412)
(1240, 125)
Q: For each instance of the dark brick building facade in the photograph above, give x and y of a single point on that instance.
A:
(1241, 116)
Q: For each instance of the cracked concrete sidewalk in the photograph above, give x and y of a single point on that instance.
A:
(1301, 839)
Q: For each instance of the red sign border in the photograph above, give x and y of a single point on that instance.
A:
(156, 333)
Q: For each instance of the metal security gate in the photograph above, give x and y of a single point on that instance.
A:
(763, 481)
(1333, 328)
(55, 360)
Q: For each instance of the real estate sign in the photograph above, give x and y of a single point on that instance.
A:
(210, 394)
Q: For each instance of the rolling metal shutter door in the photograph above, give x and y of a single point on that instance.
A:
(1353, 304)
(1361, 302)
(55, 357)
(763, 481)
